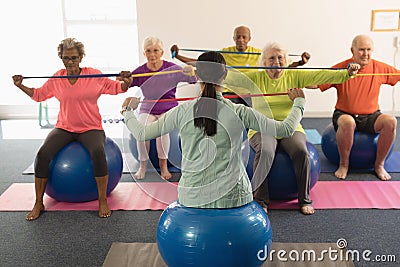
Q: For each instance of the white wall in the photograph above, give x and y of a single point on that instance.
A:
(323, 28)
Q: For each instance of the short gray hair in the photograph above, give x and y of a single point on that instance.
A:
(150, 41)
(358, 37)
(71, 43)
(272, 46)
(243, 27)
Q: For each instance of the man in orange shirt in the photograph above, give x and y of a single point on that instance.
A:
(357, 106)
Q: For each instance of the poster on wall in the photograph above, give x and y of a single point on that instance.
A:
(385, 20)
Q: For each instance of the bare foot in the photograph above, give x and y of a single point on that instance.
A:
(165, 174)
(341, 172)
(382, 173)
(104, 210)
(35, 212)
(307, 210)
(140, 174)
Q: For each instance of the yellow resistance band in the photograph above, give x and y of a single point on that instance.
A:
(158, 73)
(378, 74)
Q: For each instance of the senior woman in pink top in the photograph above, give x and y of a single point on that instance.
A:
(78, 119)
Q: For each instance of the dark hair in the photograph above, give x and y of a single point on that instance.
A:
(210, 69)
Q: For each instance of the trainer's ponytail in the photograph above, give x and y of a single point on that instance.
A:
(210, 68)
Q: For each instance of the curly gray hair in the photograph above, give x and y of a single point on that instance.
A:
(70, 43)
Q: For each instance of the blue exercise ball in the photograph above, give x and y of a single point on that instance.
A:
(71, 177)
(282, 182)
(363, 151)
(193, 237)
(174, 154)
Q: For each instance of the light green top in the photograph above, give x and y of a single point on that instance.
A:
(213, 173)
(278, 107)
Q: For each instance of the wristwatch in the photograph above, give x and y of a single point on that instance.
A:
(126, 108)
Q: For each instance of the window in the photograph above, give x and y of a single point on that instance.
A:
(109, 32)
(106, 28)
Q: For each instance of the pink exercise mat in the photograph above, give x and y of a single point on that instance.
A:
(157, 195)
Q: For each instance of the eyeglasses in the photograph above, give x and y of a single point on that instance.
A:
(73, 58)
(279, 58)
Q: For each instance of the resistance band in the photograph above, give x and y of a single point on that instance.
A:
(378, 74)
(314, 68)
(192, 74)
(191, 98)
(105, 75)
(287, 68)
(224, 52)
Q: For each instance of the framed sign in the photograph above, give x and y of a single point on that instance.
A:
(385, 20)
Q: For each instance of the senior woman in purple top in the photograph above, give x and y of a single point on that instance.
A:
(154, 88)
